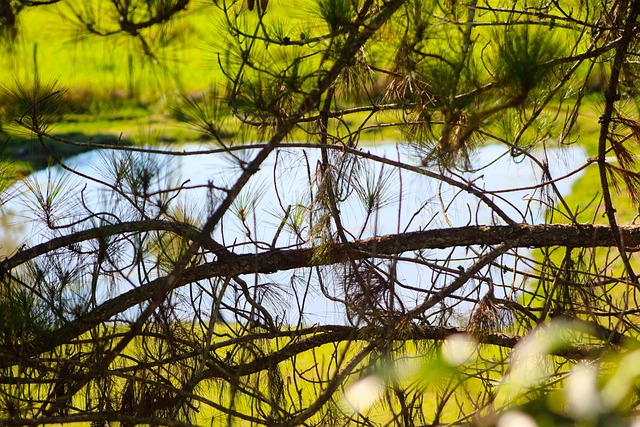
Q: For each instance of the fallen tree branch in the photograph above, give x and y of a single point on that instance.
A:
(280, 260)
(533, 236)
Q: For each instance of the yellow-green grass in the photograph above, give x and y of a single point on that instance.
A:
(415, 368)
(586, 201)
(110, 77)
(101, 68)
(116, 93)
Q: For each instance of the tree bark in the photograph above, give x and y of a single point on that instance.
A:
(533, 236)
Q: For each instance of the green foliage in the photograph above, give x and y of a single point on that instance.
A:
(205, 112)
(337, 13)
(374, 189)
(36, 108)
(146, 309)
(524, 58)
(23, 317)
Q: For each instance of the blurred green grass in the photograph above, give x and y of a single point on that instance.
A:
(105, 72)
(114, 93)
(118, 93)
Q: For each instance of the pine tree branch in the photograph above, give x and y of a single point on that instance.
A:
(533, 236)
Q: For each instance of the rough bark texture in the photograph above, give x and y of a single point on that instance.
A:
(280, 260)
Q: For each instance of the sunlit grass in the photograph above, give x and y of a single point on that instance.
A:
(98, 68)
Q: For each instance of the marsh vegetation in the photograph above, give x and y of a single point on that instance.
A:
(149, 297)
